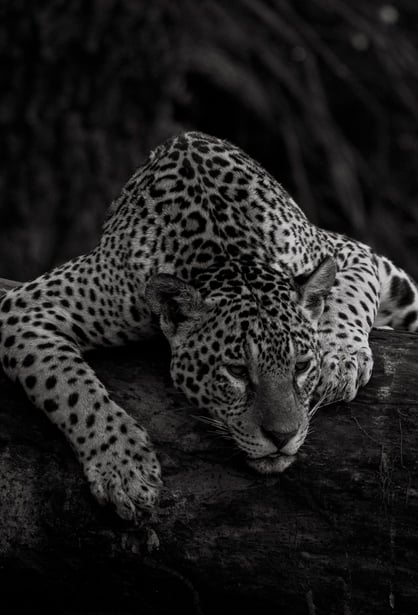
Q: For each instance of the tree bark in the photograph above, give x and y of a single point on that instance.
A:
(336, 534)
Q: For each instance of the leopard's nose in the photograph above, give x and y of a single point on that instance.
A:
(279, 438)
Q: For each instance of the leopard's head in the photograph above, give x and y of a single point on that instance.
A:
(248, 353)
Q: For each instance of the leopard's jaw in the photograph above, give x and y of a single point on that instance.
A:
(271, 464)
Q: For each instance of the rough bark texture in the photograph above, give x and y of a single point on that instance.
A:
(336, 534)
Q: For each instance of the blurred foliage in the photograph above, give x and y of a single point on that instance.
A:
(324, 93)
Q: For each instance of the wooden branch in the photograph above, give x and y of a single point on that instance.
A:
(337, 533)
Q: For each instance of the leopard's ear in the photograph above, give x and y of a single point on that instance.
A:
(176, 302)
(313, 291)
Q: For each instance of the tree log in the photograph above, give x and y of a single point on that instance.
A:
(337, 533)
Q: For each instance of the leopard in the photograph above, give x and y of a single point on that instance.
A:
(267, 316)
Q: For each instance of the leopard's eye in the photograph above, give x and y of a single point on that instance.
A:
(302, 366)
(238, 371)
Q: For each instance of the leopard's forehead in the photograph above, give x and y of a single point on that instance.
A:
(259, 324)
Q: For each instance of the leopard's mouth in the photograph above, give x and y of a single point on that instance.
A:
(274, 463)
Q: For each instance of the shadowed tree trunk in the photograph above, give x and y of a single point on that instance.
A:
(336, 534)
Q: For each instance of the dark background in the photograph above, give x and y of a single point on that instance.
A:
(323, 92)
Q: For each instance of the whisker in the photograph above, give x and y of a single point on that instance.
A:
(323, 401)
(233, 454)
(208, 420)
(317, 405)
(219, 429)
(333, 401)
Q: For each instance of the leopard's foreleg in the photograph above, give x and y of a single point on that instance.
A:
(398, 306)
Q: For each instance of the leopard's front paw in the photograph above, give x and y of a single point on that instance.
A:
(344, 370)
(124, 470)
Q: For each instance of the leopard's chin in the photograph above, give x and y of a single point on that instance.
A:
(271, 464)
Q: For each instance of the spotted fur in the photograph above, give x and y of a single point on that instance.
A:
(266, 315)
